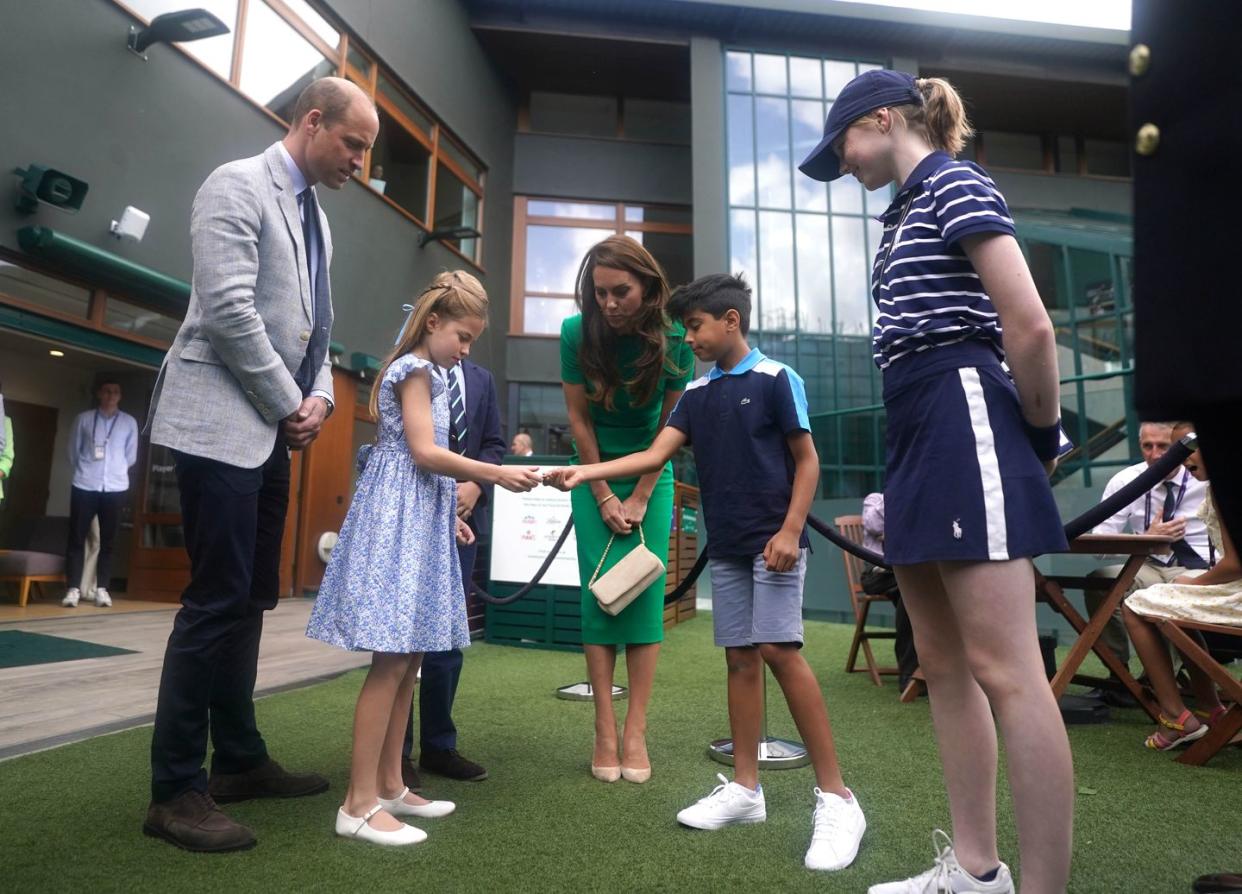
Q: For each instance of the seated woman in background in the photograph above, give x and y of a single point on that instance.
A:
(1211, 597)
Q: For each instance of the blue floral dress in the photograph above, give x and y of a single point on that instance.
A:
(393, 582)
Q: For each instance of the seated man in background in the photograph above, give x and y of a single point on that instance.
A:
(1171, 509)
(878, 581)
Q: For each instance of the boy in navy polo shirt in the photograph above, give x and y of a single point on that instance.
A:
(747, 423)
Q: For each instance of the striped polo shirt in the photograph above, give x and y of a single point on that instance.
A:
(925, 289)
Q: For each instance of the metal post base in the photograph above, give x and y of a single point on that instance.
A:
(581, 692)
(774, 754)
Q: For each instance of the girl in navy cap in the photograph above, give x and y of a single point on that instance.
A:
(969, 447)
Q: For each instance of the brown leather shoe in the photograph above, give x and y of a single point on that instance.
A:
(410, 777)
(269, 780)
(192, 821)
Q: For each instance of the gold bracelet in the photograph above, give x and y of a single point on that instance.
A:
(600, 504)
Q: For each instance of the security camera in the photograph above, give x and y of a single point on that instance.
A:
(45, 185)
(132, 225)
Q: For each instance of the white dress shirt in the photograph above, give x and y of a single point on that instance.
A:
(1149, 508)
(102, 448)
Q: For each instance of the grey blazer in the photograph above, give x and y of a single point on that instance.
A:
(227, 381)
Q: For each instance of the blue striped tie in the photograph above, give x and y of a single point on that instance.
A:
(457, 414)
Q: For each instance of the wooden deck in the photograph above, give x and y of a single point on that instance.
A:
(46, 705)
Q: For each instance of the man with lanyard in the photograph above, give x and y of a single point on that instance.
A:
(1169, 508)
(103, 444)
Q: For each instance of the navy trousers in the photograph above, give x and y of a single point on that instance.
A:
(438, 686)
(234, 522)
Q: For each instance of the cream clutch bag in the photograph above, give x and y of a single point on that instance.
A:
(626, 580)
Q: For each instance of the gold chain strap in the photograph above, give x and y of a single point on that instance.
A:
(604, 557)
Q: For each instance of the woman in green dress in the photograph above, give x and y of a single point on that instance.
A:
(623, 367)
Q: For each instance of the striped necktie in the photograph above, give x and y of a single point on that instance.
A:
(457, 413)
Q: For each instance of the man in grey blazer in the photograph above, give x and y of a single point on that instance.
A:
(247, 379)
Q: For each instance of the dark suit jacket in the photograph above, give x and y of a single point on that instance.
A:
(484, 441)
(1187, 195)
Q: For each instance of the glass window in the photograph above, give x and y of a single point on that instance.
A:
(593, 116)
(659, 214)
(805, 77)
(456, 206)
(741, 151)
(1014, 150)
(674, 251)
(836, 76)
(214, 52)
(770, 74)
(849, 276)
(543, 316)
(542, 415)
(742, 256)
(814, 274)
(737, 71)
(1067, 155)
(402, 166)
(808, 129)
(397, 97)
(776, 285)
(847, 195)
(878, 201)
(317, 23)
(657, 121)
(139, 321)
(1104, 157)
(459, 156)
(553, 255)
(359, 61)
(28, 285)
(277, 62)
(772, 151)
(163, 494)
(580, 210)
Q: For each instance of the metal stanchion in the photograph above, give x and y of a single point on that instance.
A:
(582, 692)
(774, 754)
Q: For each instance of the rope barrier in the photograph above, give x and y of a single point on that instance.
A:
(1144, 482)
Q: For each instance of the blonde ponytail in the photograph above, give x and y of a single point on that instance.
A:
(452, 295)
(941, 118)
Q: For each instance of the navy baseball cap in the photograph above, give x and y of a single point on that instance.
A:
(871, 90)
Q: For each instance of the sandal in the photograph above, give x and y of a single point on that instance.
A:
(1158, 741)
(1210, 717)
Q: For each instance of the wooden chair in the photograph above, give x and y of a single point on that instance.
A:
(851, 527)
(1227, 726)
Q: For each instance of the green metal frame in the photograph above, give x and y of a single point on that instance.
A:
(78, 336)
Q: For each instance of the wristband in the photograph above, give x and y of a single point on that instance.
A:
(1046, 441)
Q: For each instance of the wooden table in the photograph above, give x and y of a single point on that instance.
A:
(1051, 589)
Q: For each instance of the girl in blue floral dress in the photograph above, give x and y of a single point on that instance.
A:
(393, 584)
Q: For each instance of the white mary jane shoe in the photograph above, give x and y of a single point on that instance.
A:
(356, 827)
(399, 807)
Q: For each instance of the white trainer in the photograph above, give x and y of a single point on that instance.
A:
(728, 803)
(399, 807)
(838, 827)
(947, 876)
(72, 596)
(102, 599)
(356, 827)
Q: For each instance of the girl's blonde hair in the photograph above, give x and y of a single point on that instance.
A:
(452, 295)
(941, 118)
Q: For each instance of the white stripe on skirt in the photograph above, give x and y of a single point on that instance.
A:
(989, 468)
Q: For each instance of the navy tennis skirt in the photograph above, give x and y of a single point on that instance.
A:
(963, 482)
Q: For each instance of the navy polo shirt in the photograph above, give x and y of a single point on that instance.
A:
(737, 422)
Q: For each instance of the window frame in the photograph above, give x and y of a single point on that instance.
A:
(616, 225)
(368, 81)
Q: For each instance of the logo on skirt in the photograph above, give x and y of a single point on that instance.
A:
(957, 529)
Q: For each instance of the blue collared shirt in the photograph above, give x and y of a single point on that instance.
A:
(737, 421)
(102, 448)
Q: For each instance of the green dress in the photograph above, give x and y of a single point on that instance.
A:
(626, 429)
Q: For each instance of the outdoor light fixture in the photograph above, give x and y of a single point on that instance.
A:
(448, 233)
(56, 353)
(49, 186)
(175, 27)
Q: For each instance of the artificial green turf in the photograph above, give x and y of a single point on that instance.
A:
(70, 818)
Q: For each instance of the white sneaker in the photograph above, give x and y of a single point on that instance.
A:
(947, 877)
(838, 827)
(102, 599)
(727, 804)
(72, 596)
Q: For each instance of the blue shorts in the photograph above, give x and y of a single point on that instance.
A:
(751, 605)
(963, 482)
